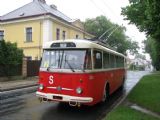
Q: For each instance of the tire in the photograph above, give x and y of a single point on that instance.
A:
(122, 85)
(106, 94)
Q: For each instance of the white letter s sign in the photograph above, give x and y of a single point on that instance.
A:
(50, 79)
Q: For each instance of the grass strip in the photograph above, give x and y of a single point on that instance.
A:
(126, 113)
(147, 93)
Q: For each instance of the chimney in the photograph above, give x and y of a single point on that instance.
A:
(42, 1)
(53, 7)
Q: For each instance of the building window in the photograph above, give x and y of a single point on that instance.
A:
(77, 36)
(64, 35)
(58, 33)
(29, 34)
(1, 34)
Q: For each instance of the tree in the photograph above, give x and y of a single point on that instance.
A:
(141, 56)
(147, 20)
(147, 16)
(118, 40)
(10, 56)
(152, 47)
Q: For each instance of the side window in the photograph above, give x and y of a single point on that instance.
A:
(121, 62)
(106, 60)
(97, 58)
(112, 61)
(88, 62)
(116, 62)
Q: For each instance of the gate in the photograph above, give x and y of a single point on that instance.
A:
(33, 67)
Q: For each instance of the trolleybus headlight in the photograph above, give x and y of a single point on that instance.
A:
(79, 90)
(41, 86)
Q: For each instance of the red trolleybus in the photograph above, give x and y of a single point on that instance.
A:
(79, 72)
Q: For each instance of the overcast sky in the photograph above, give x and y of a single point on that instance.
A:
(83, 9)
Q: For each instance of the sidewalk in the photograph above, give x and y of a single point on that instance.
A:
(17, 84)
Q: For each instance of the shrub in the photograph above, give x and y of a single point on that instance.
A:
(10, 56)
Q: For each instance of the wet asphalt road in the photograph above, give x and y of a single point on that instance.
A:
(24, 105)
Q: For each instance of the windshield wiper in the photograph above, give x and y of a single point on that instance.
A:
(48, 68)
(69, 65)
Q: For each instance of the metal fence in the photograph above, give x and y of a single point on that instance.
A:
(10, 70)
(16, 70)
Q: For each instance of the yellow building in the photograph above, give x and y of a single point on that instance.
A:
(35, 23)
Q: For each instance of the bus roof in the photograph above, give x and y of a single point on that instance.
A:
(82, 44)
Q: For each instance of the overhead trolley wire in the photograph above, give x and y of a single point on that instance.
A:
(98, 7)
(112, 28)
(111, 10)
(106, 32)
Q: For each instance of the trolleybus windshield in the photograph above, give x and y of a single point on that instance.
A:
(66, 59)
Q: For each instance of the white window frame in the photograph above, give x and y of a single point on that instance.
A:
(25, 32)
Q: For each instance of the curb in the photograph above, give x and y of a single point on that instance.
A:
(18, 87)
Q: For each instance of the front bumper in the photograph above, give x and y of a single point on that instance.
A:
(64, 98)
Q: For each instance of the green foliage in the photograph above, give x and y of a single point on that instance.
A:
(10, 56)
(147, 16)
(132, 67)
(98, 26)
(147, 20)
(135, 67)
(153, 47)
(118, 40)
(138, 55)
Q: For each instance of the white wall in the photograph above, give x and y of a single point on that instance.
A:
(47, 31)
